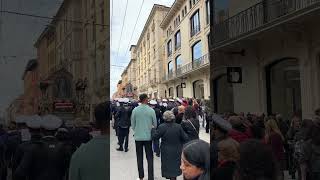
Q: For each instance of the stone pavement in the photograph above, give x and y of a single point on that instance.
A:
(123, 166)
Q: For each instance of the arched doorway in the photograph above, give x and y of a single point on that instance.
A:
(198, 89)
(223, 97)
(283, 87)
(179, 91)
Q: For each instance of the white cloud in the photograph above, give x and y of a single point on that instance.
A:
(122, 58)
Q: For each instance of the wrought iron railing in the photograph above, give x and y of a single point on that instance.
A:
(194, 65)
(257, 16)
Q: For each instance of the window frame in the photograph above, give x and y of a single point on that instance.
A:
(175, 40)
(192, 49)
(169, 47)
(195, 29)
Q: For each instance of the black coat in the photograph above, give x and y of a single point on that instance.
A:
(191, 131)
(225, 171)
(43, 161)
(123, 116)
(172, 139)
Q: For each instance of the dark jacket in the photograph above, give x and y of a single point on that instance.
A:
(123, 116)
(43, 161)
(179, 118)
(172, 139)
(192, 130)
(225, 171)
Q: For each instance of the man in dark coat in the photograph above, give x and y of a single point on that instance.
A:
(44, 160)
(124, 123)
(156, 142)
(172, 139)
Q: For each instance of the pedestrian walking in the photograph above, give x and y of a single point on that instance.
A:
(172, 139)
(91, 160)
(124, 123)
(195, 160)
(155, 142)
(179, 116)
(191, 124)
(143, 119)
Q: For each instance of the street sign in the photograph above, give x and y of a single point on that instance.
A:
(234, 74)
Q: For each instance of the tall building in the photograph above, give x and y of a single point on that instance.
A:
(149, 54)
(265, 56)
(186, 58)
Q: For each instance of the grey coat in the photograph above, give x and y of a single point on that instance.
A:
(172, 139)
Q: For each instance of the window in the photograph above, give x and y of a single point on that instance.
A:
(196, 51)
(185, 10)
(177, 40)
(178, 62)
(170, 67)
(195, 23)
(171, 92)
(208, 11)
(169, 48)
(183, 13)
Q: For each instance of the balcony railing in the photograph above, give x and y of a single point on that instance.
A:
(185, 69)
(256, 17)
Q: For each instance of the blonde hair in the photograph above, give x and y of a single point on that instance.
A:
(168, 116)
(181, 109)
(271, 125)
(229, 150)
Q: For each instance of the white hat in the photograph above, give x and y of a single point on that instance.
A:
(125, 100)
(165, 104)
(51, 122)
(153, 102)
(118, 104)
(164, 100)
(179, 100)
(120, 100)
(171, 100)
(34, 122)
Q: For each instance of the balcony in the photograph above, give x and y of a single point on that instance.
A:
(188, 68)
(258, 17)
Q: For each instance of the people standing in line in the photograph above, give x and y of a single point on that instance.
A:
(191, 124)
(276, 140)
(143, 119)
(92, 160)
(172, 139)
(124, 123)
(228, 156)
(256, 162)
(195, 160)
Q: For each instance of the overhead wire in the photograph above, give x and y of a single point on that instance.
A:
(124, 18)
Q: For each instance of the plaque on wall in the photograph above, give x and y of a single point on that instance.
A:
(234, 74)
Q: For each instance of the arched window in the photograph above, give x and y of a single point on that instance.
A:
(177, 40)
(178, 62)
(195, 23)
(169, 48)
(196, 51)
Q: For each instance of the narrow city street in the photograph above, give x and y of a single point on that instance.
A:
(124, 165)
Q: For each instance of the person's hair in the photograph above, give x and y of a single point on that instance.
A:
(229, 149)
(190, 113)
(271, 125)
(197, 153)
(181, 109)
(256, 161)
(257, 130)
(143, 97)
(168, 116)
(102, 115)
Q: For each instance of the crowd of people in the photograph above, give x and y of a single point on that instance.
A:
(43, 148)
(173, 122)
(255, 146)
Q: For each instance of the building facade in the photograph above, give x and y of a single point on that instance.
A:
(275, 45)
(186, 59)
(149, 54)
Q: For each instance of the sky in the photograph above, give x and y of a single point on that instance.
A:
(120, 55)
(17, 37)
